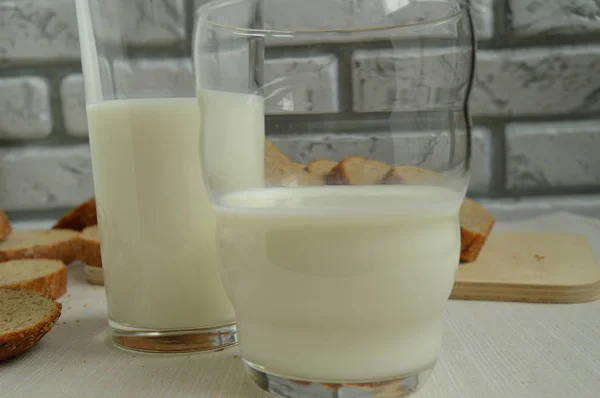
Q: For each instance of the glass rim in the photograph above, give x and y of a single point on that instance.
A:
(203, 11)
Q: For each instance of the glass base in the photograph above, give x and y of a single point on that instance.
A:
(174, 341)
(294, 388)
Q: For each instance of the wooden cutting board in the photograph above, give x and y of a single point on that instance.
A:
(531, 267)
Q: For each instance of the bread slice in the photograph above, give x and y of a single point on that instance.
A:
(299, 177)
(80, 217)
(48, 277)
(89, 247)
(320, 168)
(356, 170)
(54, 244)
(476, 224)
(94, 275)
(411, 175)
(25, 317)
(89, 254)
(281, 171)
(5, 228)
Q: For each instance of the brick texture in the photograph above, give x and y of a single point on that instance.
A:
(72, 95)
(38, 30)
(538, 17)
(34, 178)
(540, 95)
(552, 155)
(302, 85)
(147, 21)
(24, 108)
(481, 162)
(345, 14)
(409, 79)
(482, 12)
(537, 82)
(154, 78)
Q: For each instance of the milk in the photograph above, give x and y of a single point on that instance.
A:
(154, 215)
(340, 283)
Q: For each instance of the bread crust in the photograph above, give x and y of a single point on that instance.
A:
(408, 174)
(320, 168)
(94, 275)
(64, 250)
(5, 228)
(53, 285)
(472, 242)
(82, 216)
(89, 247)
(17, 342)
(372, 172)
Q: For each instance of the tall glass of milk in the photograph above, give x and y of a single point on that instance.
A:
(157, 227)
(339, 265)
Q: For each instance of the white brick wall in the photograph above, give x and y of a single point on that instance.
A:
(541, 81)
(24, 108)
(44, 177)
(72, 96)
(302, 85)
(151, 21)
(536, 17)
(552, 155)
(38, 30)
(46, 30)
(300, 15)
(541, 98)
(409, 78)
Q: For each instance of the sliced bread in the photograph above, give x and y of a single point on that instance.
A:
(411, 175)
(476, 224)
(89, 247)
(320, 168)
(356, 170)
(84, 215)
(299, 177)
(277, 165)
(5, 228)
(90, 256)
(25, 317)
(281, 171)
(55, 244)
(48, 277)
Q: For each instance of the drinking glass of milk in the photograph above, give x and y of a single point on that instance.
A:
(157, 227)
(340, 262)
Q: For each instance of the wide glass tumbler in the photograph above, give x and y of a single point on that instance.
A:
(156, 223)
(339, 234)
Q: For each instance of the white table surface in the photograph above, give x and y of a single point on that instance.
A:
(490, 350)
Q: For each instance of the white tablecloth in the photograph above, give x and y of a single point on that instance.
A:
(490, 350)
